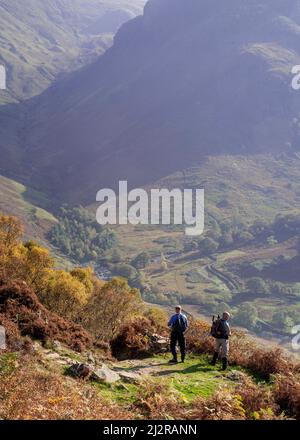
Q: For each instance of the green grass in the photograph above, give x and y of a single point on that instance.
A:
(195, 378)
(118, 393)
(8, 363)
(18, 198)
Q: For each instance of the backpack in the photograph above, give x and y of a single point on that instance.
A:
(215, 327)
(179, 327)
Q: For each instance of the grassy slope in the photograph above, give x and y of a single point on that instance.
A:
(18, 200)
(40, 39)
(32, 208)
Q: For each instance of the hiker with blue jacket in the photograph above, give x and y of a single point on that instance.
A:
(221, 332)
(178, 324)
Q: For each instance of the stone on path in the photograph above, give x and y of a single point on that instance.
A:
(159, 344)
(79, 370)
(105, 375)
(130, 377)
(236, 376)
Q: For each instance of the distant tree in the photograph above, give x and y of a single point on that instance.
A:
(64, 294)
(271, 240)
(190, 245)
(141, 260)
(244, 236)
(211, 305)
(257, 286)
(281, 289)
(259, 227)
(79, 236)
(124, 270)
(86, 276)
(138, 281)
(283, 320)
(34, 265)
(226, 240)
(110, 307)
(246, 316)
(208, 246)
(11, 232)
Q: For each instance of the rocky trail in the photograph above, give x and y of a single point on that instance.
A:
(121, 380)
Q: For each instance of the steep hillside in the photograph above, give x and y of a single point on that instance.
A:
(28, 205)
(186, 79)
(40, 39)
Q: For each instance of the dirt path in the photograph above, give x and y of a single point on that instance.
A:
(150, 367)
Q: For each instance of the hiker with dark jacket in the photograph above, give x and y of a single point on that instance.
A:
(222, 335)
(178, 324)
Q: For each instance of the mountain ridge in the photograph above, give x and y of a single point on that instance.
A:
(42, 40)
(200, 79)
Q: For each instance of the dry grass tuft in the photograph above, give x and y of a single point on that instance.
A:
(30, 394)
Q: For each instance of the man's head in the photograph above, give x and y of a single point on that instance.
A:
(226, 316)
(178, 309)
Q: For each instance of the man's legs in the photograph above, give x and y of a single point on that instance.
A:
(181, 341)
(173, 343)
(225, 351)
(216, 353)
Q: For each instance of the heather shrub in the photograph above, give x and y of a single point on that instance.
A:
(14, 341)
(287, 394)
(198, 337)
(268, 362)
(158, 319)
(20, 306)
(257, 399)
(134, 339)
(260, 361)
(158, 401)
(223, 405)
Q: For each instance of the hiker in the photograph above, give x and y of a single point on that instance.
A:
(221, 332)
(178, 324)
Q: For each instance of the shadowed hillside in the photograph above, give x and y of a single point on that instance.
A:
(186, 79)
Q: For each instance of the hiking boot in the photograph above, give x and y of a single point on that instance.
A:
(214, 359)
(224, 363)
(182, 359)
(173, 361)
